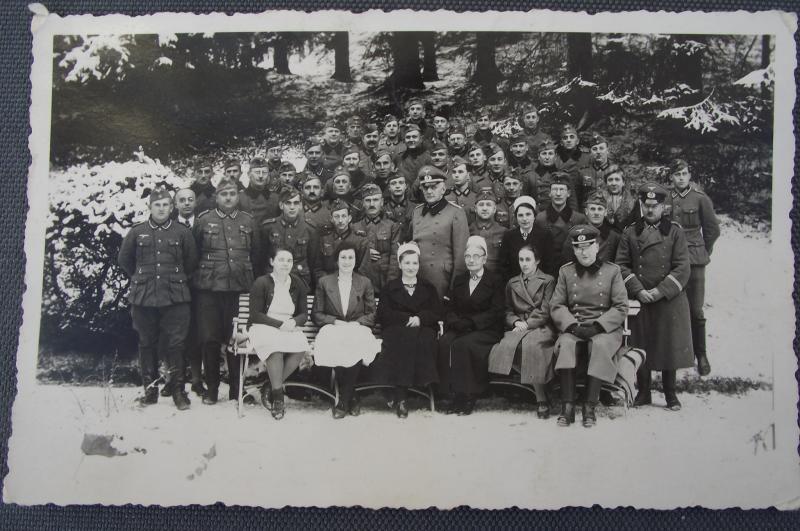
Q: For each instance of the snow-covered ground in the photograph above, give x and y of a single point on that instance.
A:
(714, 452)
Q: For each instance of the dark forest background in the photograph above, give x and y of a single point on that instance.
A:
(132, 109)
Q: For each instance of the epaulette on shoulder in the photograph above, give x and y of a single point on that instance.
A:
(138, 224)
(268, 221)
(360, 232)
(246, 213)
(418, 206)
(570, 263)
(203, 213)
(455, 204)
(676, 223)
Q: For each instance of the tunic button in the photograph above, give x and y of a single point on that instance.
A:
(158, 252)
(158, 276)
(158, 265)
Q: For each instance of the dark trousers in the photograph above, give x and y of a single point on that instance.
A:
(192, 354)
(162, 334)
(696, 293)
(215, 313)
(347, 377)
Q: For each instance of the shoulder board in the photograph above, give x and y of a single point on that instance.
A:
(611, 264)
(248, 214)
(568, 264)
(267, 221)
(203, 213)
(454, 204)
(359, 232)
(676, 223)
(418, 206)
(139, 224)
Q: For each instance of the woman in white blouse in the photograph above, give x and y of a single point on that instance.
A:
(277, 309)
(344, 308)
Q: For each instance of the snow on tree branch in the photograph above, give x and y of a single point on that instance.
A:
(758, 78)
(704, 116)
(97, 57)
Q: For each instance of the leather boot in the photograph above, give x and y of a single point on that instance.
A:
(589, 416)
(149, 397)
(211, 396)
(643, 379)
(567, 415)
(699, 345)
(167, 389)
(180, 398)
(670, 395)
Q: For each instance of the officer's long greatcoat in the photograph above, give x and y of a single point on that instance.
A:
(658, 257)
(442, 238)
(594, 294)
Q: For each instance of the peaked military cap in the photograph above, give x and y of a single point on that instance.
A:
(560, 177)
(485, 194)
(430, 175)
(652, 192)
(583, 234)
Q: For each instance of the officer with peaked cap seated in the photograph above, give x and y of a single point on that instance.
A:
(589, 305)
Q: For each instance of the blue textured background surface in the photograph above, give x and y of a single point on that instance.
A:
(15, 59)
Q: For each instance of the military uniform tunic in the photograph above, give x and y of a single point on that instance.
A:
(400, 211)
(441, 233)
(492, 232)
(159, 258)
(260, 204)
(592, 177)
(299, 237)
(204, 197)
(383, 235)
(228, 244)
(557, 225)
(466, 200)
(505, 213)
(587, 295)
(330, 240)
(318, 216)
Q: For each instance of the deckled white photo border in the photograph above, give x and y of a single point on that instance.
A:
(781, 25)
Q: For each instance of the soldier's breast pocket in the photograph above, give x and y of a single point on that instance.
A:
(690, 218)
(174, 247)
(502, 217)
(301, 250)
(144, 245)
(587, 181)
(383, 243)
(246, 235)
(327, 249)
(211, 235)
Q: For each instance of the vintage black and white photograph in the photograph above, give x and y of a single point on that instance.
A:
(330, 259)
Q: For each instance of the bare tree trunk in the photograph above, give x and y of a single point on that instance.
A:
(341, 50)
(579, 55)
(281, 60)
(689, 68)
(405, 53)
(487, 75)
(428, 40)
(765, 44)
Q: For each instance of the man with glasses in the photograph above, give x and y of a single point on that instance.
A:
(440, 228)
(589, 305)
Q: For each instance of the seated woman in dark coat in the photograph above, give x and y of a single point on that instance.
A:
(409, 313)
(473, 324)
(528, 342)
(344, 308)
(277, 309)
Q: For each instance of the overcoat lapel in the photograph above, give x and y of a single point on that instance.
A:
(649, 237)
(518, 287)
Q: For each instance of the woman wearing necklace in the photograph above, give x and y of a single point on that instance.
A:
(277, 309)
(473, 324)
(409, 312)
(530, 335)
(525, 233)
(344, 308)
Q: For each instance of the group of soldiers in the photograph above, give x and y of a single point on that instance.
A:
(420, 178)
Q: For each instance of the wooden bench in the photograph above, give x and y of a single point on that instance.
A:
(620, 389)
(310, 330)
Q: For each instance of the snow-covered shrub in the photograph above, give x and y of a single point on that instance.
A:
(91, 209)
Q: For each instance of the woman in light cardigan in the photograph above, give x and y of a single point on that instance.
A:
(278, 308)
